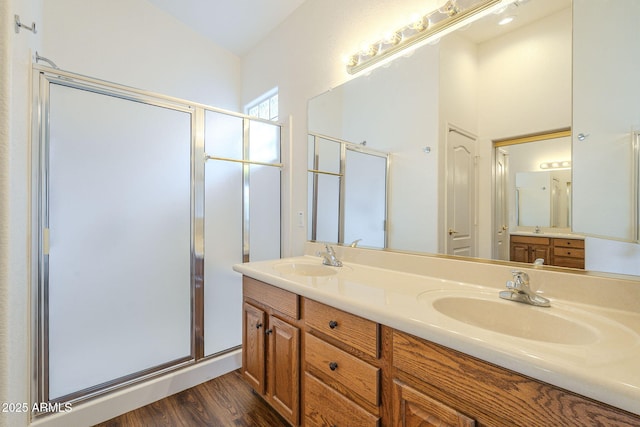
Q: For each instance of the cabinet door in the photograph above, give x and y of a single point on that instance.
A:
(519, 252)
(253, 350)
(413, 408)
(283, 383)
(540, 251)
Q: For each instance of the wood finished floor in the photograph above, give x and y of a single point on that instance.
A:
(223, 401)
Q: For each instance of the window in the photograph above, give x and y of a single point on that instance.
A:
(265, 107)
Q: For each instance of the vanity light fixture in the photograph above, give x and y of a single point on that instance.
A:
(421, 30)
(564, 164)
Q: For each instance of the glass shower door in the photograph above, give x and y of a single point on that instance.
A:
(118, 279)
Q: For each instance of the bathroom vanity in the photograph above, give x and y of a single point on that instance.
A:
(560, 251)
(398, 339)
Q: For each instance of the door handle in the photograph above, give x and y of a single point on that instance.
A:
(452, 232)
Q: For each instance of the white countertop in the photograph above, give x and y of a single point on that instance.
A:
(606, 368)
(550, 234)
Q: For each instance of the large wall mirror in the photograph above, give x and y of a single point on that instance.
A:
(445, 115)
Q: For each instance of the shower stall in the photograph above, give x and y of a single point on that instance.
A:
(347, 183)
(141, 204)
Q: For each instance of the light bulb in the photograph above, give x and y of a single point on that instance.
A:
(506, 20)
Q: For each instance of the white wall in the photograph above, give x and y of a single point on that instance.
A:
(14, 204)
(125, 41)
(132, 42)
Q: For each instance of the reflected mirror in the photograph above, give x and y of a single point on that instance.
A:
(441, 113)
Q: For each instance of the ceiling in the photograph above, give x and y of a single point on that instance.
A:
(524, 11)
(235, 25)
(238, 25)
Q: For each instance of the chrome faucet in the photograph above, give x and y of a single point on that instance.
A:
(354, 244)
(520, 291)
(329, 257)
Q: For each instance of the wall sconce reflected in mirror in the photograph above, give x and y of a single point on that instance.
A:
(422, 30)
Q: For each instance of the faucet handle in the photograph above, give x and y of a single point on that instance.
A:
(355, 243)
(520, 280)
(520, 276)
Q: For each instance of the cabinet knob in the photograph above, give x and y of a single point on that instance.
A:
(268, 331)
(333, 366)
(258, 325)
(333, 324)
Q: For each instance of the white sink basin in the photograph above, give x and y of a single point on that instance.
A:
(516, 319)
(562, 323)
(305, 269)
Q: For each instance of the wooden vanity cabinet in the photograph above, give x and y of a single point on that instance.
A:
(448, 388)
(555, 251)
(527, 249)
(271, 346)
(414, 408)
(342, 380)
(321, 366)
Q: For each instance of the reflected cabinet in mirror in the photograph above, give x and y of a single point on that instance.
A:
(493, 131)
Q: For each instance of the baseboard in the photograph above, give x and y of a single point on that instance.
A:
(122, 401)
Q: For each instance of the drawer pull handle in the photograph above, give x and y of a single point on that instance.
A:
(333, 366)
(333, 324)
(258, 325)
(268, 331)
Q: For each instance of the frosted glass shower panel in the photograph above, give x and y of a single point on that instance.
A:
(119, 272)
(223, 135)
(327, 207)
(264, 142)
(222, 249)
(264, 212)
(328, 155)
(365, 198)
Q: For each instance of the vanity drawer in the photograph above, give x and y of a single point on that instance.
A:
(282, 301)
(530, 240)
(568, 252)
(352, 330)
(351, 373)
(325, 407)
(568, 243)
(569, 262)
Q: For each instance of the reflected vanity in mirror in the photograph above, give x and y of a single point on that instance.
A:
(443, 114)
